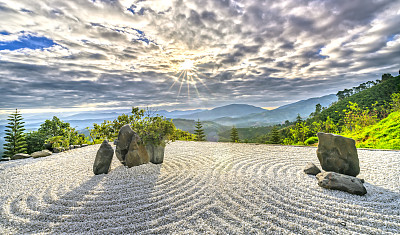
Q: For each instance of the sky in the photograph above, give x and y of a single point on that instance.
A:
(189, 54)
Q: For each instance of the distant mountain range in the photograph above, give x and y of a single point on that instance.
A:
(214, 120)
(279, 115)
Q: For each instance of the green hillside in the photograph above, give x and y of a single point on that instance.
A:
(379, 93)
(211, 129)
(383, 135)
(251, 134)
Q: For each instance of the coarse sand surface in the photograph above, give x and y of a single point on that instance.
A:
(202, 187)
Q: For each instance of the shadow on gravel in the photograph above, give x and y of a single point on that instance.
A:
(121, 201)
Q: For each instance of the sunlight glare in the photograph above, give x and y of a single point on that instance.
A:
(187, 65)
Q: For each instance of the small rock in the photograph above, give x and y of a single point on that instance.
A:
(43, 153)
(311, 169)
(84, 145)
(71, 147)
(4, 159)
(20, 156)
(338, 154)
(103, 160)
(77, 146)
(58, 149)
(346, 183)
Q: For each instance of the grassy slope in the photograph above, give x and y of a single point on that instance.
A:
(380, 92)
(383, 135)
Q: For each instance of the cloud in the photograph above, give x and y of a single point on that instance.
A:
(266, 53)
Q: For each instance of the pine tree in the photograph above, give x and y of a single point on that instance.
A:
(275, 136)
(199, 132)
(15, 139)
(298, 119)
(234, 135)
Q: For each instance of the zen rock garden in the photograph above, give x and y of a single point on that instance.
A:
(339, 160)
(129, 150)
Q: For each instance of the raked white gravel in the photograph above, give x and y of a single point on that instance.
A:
(201, 187)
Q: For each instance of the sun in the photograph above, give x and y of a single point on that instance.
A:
(188, 73)
(188, 64)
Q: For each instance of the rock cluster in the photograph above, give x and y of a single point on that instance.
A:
(338, 157)
(129, 148)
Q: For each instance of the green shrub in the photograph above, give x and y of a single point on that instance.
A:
(311, 141)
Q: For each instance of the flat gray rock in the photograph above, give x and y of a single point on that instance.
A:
(43, 153)
(346, 183)
(103, 160)
(311, 169)
(338, 154)
(20, 156)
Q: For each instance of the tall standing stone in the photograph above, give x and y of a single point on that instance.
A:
(338, 154)
(104, 155)
(125, 136)
(137, 153)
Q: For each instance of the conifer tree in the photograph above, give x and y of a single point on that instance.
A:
(15, 139)
(275, 136)
(234, 135)
(199, 132)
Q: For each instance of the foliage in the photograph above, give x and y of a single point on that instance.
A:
(35, 141)
(275, 136)
(356, 118)
(395, 101)
(58, 141)
(184, 135)
(311, 140)
(379, 94)
(199, 132)
(234, 135)
(155, 130)
(382, 135)
(15, 139)
(56, 133)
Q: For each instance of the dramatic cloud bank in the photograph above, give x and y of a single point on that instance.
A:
(110, 53)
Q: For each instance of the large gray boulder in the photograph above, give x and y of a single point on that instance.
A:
(311, 169)
(20, 156)
(338, 154)
(43, 153)
(137, 153)
(103, 160)
(129, 148)
(346, 183)
(122, 143)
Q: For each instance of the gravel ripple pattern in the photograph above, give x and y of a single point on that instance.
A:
(202, 187)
